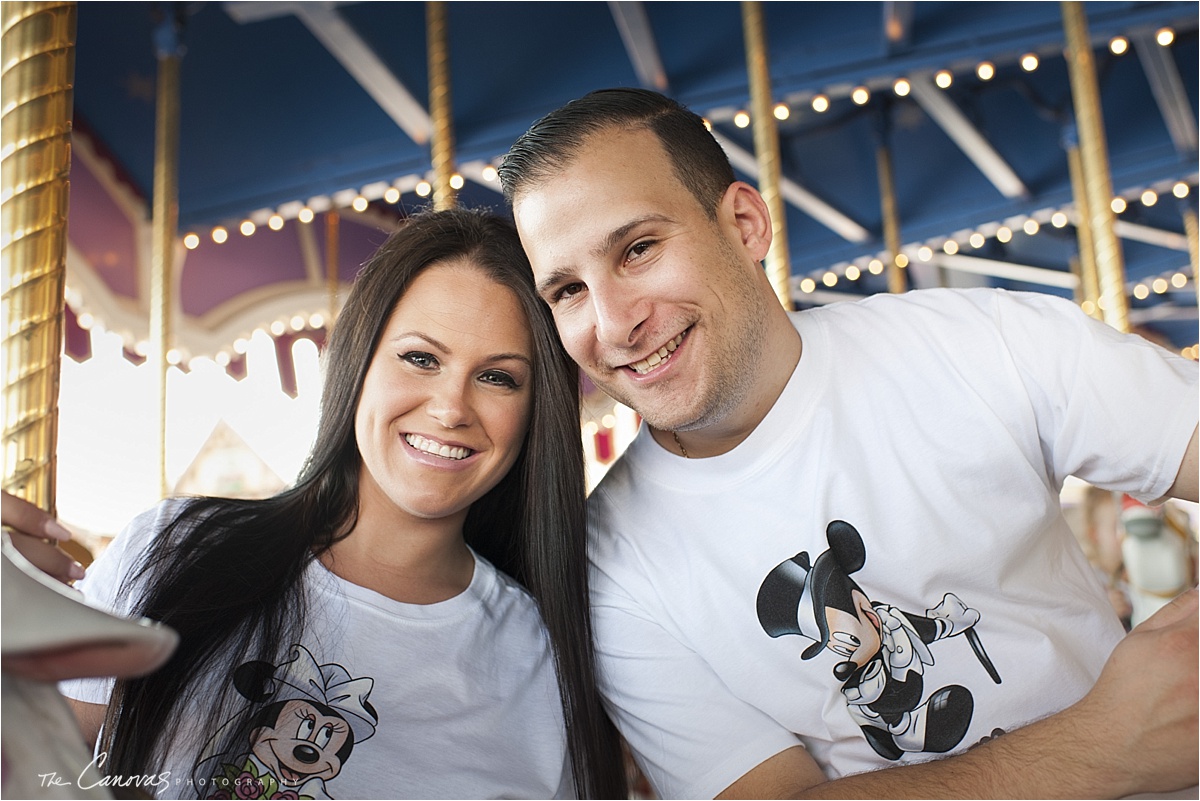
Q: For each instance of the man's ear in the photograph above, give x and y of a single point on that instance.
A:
(743, 208)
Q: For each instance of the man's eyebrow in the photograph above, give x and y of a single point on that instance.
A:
(619, 233)
(552, 280)
(610, 241)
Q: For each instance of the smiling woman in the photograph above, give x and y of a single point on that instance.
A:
(345, 637)
(444, 407)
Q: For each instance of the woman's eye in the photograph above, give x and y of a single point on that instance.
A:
(306, 729)
(499, 378)
(418, 359)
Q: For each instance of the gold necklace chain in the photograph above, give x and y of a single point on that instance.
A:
(682, 449)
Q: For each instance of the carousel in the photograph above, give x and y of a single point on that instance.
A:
(190, 188)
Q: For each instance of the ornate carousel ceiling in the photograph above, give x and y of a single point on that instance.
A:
(288, 108)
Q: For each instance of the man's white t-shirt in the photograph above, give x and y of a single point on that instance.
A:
(914, 460)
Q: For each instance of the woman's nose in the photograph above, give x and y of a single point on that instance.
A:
(450, 406)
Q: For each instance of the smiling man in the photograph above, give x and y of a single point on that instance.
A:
(836, 545)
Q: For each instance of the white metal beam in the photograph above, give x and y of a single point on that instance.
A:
(797, 195)
(355, 56)
(1167, 86)
(639, 41)
(950, 118)
(1151, 236)
(1007, 270)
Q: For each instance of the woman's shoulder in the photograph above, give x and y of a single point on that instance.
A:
(501, 592)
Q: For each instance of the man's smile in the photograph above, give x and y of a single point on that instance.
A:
(657, 357)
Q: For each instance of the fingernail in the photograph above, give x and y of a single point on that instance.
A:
(54, 530)
(76, 571)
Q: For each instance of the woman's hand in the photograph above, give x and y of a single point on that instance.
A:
(35, 533)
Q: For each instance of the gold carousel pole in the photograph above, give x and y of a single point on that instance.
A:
(163, 224)
(1093, 151)
(440, 109)
(896, 279)
(1088, 294)
(1193, 242)
(37, 86)
(766, 148)
(332, 231)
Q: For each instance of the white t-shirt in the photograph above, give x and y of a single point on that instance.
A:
(456, 699)
(914, 460)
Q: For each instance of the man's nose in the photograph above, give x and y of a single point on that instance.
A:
(620, 311)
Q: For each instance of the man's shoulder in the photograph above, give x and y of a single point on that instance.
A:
(957, 308)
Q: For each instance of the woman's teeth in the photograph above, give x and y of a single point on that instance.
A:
(658, 357)
(437, 449)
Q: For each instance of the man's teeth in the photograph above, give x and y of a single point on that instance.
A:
(437, 449)
(658, 357)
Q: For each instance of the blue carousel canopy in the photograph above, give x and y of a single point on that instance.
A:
(291, 105)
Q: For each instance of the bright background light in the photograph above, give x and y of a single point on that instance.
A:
(107, 448)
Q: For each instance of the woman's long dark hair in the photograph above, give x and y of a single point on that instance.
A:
(228, 574)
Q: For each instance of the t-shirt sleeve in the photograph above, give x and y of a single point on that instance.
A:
(106, 586)
(690, 735)
(1113, 409)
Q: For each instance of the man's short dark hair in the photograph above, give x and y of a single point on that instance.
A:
(698, 161)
